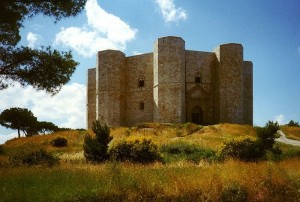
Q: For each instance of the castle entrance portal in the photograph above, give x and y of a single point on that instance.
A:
(197, 115)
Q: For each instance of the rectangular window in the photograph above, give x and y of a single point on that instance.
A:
(142, 105)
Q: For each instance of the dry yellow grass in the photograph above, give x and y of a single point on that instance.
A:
(177, 181)
(208, 136)
(291, 132)
(215, 136)
(75, 142)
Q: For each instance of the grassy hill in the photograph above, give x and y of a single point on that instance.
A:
(76, 180)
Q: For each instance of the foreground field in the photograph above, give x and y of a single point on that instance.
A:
(75, 180)
(264, 181)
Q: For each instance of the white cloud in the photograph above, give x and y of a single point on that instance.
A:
(136, 53)
(104, 31)
(280, 119)
(66, 109)
(4, 138)
(170, 12)
(33, 39)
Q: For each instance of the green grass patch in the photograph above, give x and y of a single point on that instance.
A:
(180, 150)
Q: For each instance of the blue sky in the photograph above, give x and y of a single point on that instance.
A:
(269, 31)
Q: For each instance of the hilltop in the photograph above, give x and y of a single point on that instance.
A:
(176, 179)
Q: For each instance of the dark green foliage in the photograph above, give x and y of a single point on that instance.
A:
(293, 124)
(45, 127)
(20, 119)
(23, 120)
(137, 151)
(245, 150)
(95, 148)
(43, 68)
(59, 142)
(180, 150)
(2, 151)
(234, 193)
(250, 150)
(39, 157)
(266, 135)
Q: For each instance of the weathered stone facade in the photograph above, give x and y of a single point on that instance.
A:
(171, 85)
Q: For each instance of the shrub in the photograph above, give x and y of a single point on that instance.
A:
(249, 150)
(266, 135)
(137, 151)
(95, 148)
(59, 142)
(293, 124)
(2, 151)
(183, 150)
(39, 157)
(245, 150)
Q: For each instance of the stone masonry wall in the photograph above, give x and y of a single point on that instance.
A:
(139, 98)
(231, 87)
(169, 80)
(248, 92)
(111, 87)
(161, 86)
(199, 94)
(91, 97)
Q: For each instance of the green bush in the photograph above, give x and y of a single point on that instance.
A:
(2, 151)
(59, 142)
(95, 148)
(266, 135)
(245, 150)
(249, 150)
(39, 157)
(137, 151)
(180, 150)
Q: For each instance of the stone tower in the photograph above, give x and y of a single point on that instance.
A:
(171, 84)
(169, 80)
(110, 87)
(233, 85)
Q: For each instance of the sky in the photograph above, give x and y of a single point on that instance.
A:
(269, 31)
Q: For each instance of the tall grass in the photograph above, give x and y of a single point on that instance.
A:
(291, 132)
(75, 180)
(264, 181)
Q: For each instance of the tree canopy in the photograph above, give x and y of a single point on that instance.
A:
(20, 119)
(23, 120)
(44, 69)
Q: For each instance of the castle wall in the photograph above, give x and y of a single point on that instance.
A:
(139, 98)
(91, 97)
(169, 80)
(171, 85)
(248, 92)
(199, 64)
(230, 83)
(111, 87)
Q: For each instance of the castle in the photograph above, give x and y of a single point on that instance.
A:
(172, 85)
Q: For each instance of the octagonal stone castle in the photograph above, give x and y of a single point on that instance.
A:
(171, 85)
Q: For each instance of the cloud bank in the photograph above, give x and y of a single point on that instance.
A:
(170, 12)
(66, 109)
(103, 31)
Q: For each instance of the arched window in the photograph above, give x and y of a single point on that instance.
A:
(198, 78)
(142, 105)
(141, 81)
